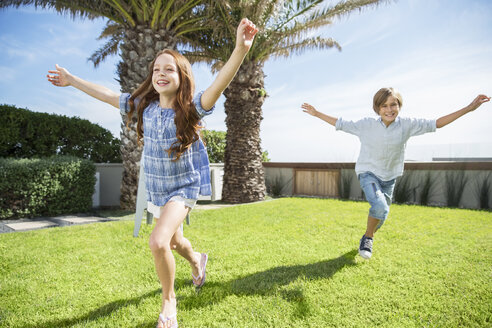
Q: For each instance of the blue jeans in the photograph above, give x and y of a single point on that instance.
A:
(378, 193)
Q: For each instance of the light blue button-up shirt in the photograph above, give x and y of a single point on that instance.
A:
(382, 150)
(187, 177)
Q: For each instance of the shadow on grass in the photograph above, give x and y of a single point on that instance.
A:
(116, 213)
(274, 281)
(103, 311)
(263, 283)
(269, 282)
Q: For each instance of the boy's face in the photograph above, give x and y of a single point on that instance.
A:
(389, 110)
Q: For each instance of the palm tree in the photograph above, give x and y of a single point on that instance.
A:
(138, 29)
(284, 30)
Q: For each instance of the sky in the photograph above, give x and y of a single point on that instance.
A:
(437, 53)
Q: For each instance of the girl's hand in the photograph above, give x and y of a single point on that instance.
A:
(479, 100)
(309, 109)
(245, 34)
(60, 77)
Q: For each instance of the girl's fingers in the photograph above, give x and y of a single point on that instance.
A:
(248, 25)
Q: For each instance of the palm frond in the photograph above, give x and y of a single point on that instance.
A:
(109, 48)
(267, 10)
(137, 10)
(117, 5)
(145, 10)
(344, 8)
(112, 28)
(298, 48)
(179, 12)
(74, 9)
(166, 10)
(155, 14)
(294, 9)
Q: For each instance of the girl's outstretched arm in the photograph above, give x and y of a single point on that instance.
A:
(445, 120)
(62, 78)
(244, 39)
(312, 111)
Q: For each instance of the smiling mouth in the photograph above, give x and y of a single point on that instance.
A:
(162, 83)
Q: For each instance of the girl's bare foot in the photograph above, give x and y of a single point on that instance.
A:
(167, 317)
(199, 273)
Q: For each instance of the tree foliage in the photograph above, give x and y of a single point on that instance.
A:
(47, 186)
(176, 17)
(27, 134)
(216, 143)
(286, 28)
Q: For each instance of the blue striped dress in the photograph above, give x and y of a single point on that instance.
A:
(187, 177)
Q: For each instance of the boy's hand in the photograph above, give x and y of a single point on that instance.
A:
(479, 100)
(60, 77)
(246, 32)
(309, 109)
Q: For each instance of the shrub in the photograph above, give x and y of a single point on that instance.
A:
(45, 187)
(483, 190)
(345, 183)
(27, 134)
(216, 144)
(403, 190)
(275, 185)
(425, 188)
(455, 184)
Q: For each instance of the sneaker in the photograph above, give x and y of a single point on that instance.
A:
(365, 247)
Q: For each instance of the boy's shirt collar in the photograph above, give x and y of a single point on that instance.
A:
(396, 121)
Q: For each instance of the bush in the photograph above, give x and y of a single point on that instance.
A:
(216, 143)
(455, 184)
(345, 183)
(45, 187)
(425, 189)
(27, 134)
(483, 189)
(403, 191)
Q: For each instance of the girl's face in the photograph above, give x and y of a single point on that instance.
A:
(389, 110)
(165, 77)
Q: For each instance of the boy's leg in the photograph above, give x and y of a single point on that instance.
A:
(372, 225)
(378, 212)
(377, 198)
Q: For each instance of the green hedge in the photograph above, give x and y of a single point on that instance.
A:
(27, 134)
(216, 143)
(45, 187)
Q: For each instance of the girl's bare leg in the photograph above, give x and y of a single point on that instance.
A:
(184, 248)
(171, 217)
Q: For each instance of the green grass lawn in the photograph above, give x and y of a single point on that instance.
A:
(289, 262)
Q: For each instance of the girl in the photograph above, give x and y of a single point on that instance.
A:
(381, 156)
(175, 160)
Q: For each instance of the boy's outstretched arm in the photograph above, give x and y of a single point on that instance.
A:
(244, 39)
(62, 78)
(312, 111)
(445, 120)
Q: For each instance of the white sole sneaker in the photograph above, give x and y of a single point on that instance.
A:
(365, 254)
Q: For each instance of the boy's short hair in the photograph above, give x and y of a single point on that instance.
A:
(382, 95)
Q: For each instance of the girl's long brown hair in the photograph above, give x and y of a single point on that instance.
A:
(186, 119)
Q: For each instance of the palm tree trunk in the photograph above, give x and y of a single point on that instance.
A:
(244, 179)
(140, 46)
